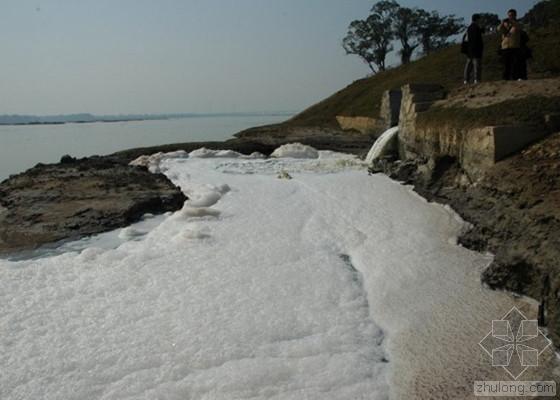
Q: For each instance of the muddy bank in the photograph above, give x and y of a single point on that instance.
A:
(515, 212)
(74, 198)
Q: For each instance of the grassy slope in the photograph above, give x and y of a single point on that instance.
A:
(363, 97)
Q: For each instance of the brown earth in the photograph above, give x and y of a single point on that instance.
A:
(74, 198)
(515, 213)
(490, 93)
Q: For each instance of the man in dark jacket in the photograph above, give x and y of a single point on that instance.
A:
(473, 46)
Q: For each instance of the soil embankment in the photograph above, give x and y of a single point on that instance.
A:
(515, 213)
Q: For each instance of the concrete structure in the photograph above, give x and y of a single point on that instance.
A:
(476, 149)
(364, 125)
(390, 108)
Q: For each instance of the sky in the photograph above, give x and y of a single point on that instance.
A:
(167, 56)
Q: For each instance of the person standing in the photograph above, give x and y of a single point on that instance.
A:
(511, 29)
(474, 47)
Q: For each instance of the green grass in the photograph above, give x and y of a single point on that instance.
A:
(363, 97)
(528, 111)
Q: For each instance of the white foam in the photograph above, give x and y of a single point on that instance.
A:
(199, 212)
(295, 150)
(203, 152)
(130, 233)
(204, 199)
(300, 291)
(154, 161)
(90, 254)
(223, 189)
(192, 234)
(256, 155)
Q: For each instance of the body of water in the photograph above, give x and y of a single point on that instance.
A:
(21, 147)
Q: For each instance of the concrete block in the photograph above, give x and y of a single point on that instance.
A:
(512, 139)
(361, 124)
(481, 148)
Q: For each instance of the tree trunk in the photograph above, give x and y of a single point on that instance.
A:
(406, 52)
(406, 55)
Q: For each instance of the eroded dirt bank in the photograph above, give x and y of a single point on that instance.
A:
(515, 212)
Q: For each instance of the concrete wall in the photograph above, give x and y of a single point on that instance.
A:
(476, 149)
(390, 108)
(361, 124)
(388, 116)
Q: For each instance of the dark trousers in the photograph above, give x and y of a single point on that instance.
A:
(473, 67)
(513, 65)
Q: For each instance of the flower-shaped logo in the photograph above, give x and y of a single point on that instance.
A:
(515, 343)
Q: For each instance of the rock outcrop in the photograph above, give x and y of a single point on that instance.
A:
(73, 198)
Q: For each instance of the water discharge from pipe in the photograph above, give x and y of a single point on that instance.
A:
(383, 145)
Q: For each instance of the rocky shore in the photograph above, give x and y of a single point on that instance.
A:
(75, 198)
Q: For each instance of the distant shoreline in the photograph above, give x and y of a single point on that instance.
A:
(78, 122)
(26, 120)
(72, 122)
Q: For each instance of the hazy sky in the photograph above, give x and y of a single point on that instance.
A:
(156, 56)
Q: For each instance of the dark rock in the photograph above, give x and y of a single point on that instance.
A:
(81, 197)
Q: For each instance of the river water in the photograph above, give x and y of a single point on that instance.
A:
(22, 147)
